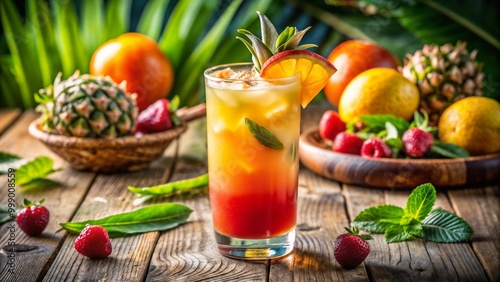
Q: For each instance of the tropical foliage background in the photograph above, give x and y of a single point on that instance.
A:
(40, 38)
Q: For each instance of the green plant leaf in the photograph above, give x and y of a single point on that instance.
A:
(263, 135)
(34, 170)
(444, 227)
(92, 20)
(378, 219)
(187, 83)
(397, 233)
(184, 25)
(420, 201)
(10, 162)
(377, 122)
(449, 150)
(157, 217)
(71, 48)
(43, 33)
(171, 188)
(117, 18)
(151, 20)
(22, 50)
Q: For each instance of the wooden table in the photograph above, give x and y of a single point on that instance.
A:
(188, 253)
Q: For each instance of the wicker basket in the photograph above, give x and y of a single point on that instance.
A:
(109, 156)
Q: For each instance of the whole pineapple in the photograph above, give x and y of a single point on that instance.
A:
(87, 106)
(444, 74)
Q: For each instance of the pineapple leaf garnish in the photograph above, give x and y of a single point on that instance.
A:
(272, 42)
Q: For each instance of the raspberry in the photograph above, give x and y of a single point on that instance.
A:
(33, 218)
(348, 143)
(417, 142)
(375, 148)
(93, 242)
(330, 125)
(351, 249)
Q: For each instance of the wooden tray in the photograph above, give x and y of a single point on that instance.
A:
(395, 173)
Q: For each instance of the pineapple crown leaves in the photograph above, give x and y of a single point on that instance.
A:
(272, 42)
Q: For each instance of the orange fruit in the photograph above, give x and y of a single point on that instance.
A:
(379, 91)
(352, 57)
(136, 58)
(314, 71)
(472, 123)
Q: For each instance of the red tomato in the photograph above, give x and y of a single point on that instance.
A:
(351, 58)
(136, 58)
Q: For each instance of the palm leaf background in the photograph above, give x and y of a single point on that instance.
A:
(43, 37)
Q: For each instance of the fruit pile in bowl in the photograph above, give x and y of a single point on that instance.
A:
(95, 122)
(430, 107)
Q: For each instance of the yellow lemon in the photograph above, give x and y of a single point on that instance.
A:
(472, 123)
(379, 91)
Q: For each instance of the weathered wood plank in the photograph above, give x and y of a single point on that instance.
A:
(321, 218)
(481, 209)
(414, 260)
(61, 200)
(7, 116)
(130, 257)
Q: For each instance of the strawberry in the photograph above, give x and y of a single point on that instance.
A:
(376, 148)
(417, 142)
(330, 125)
(93, 242)
(33, 218)
(155, 118)
(348, 143)
(351, 249)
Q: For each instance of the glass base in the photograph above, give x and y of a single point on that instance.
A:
(255, 249)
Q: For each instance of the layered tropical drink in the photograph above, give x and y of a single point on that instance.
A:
(253, 127)
(253, 179)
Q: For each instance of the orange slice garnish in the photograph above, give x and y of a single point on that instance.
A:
(314, 70)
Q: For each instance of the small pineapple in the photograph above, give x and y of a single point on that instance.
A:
(272, 42)
(87, 106)
(444, 74)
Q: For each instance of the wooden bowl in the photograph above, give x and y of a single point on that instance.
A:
(395, 173)
(102, 155)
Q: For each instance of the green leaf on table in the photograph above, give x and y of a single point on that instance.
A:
(420, 202)
(449, 150)
(158, 217)
(172, 188)
(415, 220)
(444, 227)
(397, 233)
(10, 161)
(263, 135)
(34, 172)
(378, 219)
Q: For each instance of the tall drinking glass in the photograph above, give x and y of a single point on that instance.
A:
(253, 128)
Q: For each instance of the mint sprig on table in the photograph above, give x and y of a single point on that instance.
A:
(416, 220)
(158, 217)
(29, 174)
